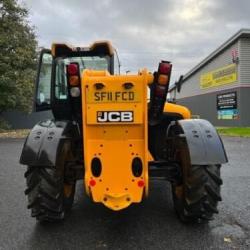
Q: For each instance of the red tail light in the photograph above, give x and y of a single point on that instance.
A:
(164, 68)
(73, 69)
(73, 74)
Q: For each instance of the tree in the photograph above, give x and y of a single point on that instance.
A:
(17, 57)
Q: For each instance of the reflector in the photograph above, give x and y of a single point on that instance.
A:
(92, 183)
(141, 183)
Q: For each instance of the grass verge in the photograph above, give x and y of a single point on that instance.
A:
(228, 131)
(234, 131)
(19, 133)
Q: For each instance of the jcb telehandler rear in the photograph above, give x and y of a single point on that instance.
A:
(107, 133)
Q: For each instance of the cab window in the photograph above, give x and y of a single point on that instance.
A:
(85, 62)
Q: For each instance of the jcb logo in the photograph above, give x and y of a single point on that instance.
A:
(115, 116)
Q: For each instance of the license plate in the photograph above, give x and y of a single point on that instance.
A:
(112, 96)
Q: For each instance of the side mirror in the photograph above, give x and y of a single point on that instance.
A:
(179, 84)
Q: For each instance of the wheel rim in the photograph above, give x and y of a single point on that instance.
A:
(67, 190)
(178, 191)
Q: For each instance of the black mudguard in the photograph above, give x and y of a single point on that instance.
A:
(44, 141)
(204, 144)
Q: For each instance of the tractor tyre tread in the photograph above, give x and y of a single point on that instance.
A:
(45, 198)
(199, 202)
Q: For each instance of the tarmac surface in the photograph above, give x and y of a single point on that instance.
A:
(149, 225)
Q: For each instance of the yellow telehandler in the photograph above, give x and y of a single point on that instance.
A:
(107, 132)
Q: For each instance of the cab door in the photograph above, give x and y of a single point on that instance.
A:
(43, 82)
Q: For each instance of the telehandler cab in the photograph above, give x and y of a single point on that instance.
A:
(106, 132)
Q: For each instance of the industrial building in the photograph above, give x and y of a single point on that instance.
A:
(218, 88)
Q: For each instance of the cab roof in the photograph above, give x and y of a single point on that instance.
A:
(95, 49)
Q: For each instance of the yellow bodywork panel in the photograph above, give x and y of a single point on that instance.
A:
(115, 131)
(177, 109)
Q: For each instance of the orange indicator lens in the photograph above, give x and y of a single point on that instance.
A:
(73, 80)
(163, 79)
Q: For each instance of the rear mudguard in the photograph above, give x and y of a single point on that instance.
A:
(44, 141)
(204, 144)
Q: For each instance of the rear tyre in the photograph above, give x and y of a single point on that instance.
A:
(197, 195)
(197, 198)
(49, 196)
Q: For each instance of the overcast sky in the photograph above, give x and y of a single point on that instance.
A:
(143, 31)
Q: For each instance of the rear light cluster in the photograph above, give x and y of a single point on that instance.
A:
(73, 77)
(162, 78)
(159, 91)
